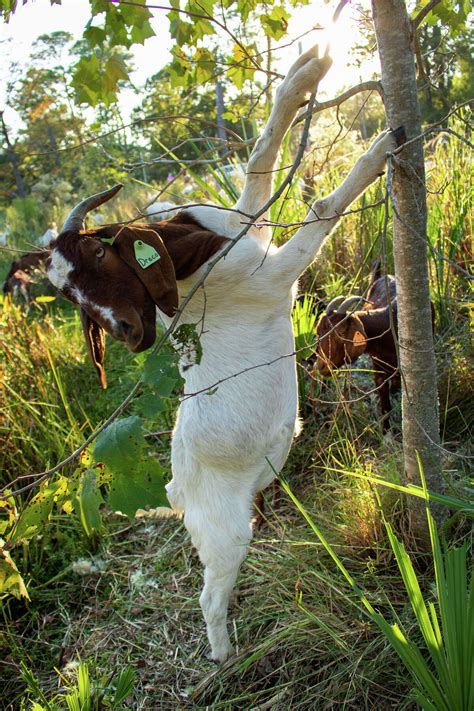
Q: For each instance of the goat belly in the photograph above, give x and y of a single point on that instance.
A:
(248, 409)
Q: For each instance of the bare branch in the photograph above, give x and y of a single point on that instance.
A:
(371, 85)
(423, 12)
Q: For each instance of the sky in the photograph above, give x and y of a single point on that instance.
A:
(39, 17)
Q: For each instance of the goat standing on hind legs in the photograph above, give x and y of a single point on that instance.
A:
(222, 442)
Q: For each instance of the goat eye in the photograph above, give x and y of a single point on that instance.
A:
(100, 252)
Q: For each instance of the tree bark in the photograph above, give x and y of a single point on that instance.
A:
(420, 420)
(13, 158)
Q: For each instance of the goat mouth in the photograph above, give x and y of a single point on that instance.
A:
(145, 341)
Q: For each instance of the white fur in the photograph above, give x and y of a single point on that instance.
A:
(106, 312)
(59, 270)
(161, 211)
(223, 439)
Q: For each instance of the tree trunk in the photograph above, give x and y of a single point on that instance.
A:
(13, 158)
(420, 421)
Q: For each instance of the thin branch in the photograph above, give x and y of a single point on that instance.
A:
(371, 85)
(423, 12)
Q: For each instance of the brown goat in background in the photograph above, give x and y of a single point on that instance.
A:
(18, 279)
(348, 329)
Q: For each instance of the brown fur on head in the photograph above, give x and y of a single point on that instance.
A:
(114, 292)
(99, 270)
(341, 340)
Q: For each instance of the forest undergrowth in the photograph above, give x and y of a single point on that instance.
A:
(122, 595)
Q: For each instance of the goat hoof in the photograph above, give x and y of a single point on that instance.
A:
(399, 135)
(222, 653)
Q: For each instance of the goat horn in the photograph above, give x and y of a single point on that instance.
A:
(350, 303)
(75, 219)
(331, 307)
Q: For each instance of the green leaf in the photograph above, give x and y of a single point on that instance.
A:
(95, 36)
(121, 444)
(180, 31)
(144, 487)
(161, 373)
(11, 582)
(242, 68)
(150, 405)
(140, 34)
(205, 65)
(275, 23)
(123, 685)
(201, 7)
(187, 342)
(35, 515)
(88, 502)
(135, 15)
(115, 70)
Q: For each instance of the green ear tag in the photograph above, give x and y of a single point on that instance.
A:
(144, 254)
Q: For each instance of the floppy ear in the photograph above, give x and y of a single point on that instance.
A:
(95, 339)
(144, 252)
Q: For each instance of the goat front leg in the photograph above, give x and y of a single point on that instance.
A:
(302, 79)
(301, 250)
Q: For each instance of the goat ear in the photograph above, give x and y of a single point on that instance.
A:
(95, 339)
(144, 252)
(360, 341)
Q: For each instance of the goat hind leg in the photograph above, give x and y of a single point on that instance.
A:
(220, 528)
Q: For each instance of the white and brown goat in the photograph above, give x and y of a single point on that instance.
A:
(227, 445)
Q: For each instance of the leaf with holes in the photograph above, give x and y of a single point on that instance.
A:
(143, 487)
(120, 446)
(36, 513)
(11, 582)
(187, 343)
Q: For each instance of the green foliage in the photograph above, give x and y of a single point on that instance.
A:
(121, 444)
(304, 327)
(137, 479)
(97, 81)
(442, 669)
(451, 13)
(88, 502)
(116, 25)
(86, 694)
(275, 23)
(11, 581)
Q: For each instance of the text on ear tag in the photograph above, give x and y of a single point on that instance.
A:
(145, 254)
